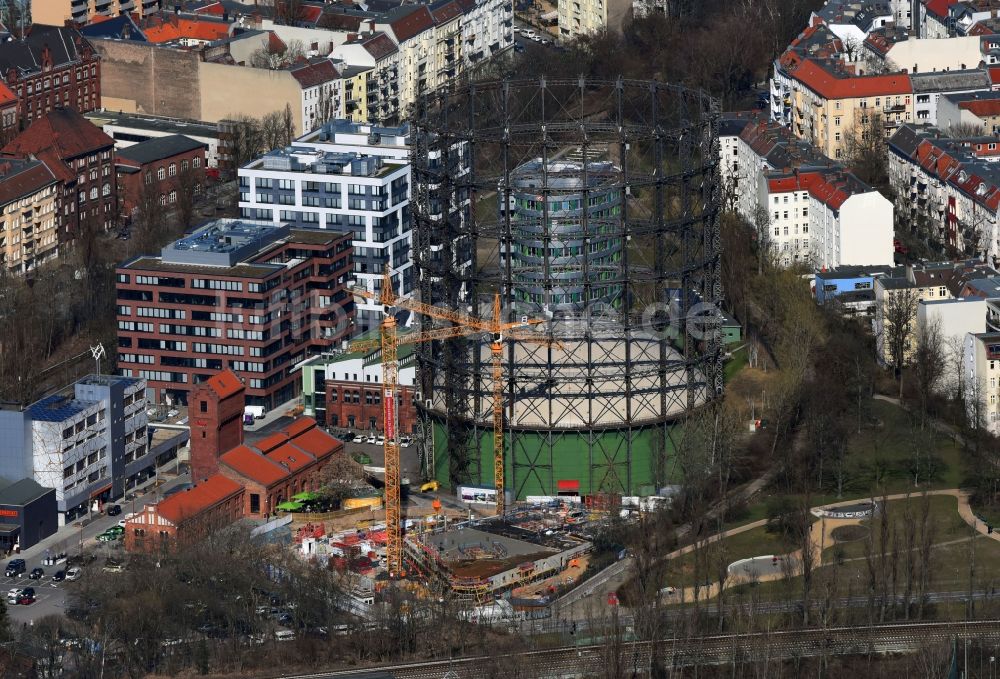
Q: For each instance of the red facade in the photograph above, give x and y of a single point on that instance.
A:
(163, 177)
(180, 324)
(215, 414)
(358, 406)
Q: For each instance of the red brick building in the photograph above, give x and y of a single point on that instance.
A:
(185, 517)
(280, 466)
(254, 297)
(53, 67)
(81, 156)
(163, 167)
(215, 414)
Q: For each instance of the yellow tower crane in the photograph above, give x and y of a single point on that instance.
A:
(388, 341)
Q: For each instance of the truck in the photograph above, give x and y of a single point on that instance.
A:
(255, 412)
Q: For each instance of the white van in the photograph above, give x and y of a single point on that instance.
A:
(284, 635)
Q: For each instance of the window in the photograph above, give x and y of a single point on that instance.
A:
(172, 198)
(106, 190)
(196, 162)
(93, 193)
(161, 173)
(173, 170)
(149, 177)
(254, 503)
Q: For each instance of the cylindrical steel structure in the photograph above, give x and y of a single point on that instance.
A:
(594, 205)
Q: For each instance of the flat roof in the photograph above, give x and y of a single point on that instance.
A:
(196, 128)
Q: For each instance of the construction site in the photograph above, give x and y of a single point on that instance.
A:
(567, 312)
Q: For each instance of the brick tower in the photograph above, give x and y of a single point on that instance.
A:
(215, 413)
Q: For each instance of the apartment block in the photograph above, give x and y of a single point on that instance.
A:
(29, 214)
(89, 442)
(367, 196)
(578, 18)
(58, 12)
(256, 297)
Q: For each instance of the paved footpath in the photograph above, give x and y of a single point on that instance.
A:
(822, 531)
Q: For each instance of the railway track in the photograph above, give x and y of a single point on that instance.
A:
(579, 661)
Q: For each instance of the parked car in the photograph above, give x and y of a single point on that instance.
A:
(405, 441)
(284, 635)
(114, 510)
(15, 567)
(74, 573)
(28, 591)
(13, 595)
(26, 600)
(371, 438)
(112, 567)
(58, 576)
(358, 439)
(36, 573)
(380, 440)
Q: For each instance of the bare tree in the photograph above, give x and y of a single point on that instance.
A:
(188, 186)
(899, 311)
(865, 150)
(762, 232)
(929, 365)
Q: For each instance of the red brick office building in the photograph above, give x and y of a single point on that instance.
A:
(53, 67)
(280, 466)
(215, 414)
(185, 517)
(162, 167)
(249, 296)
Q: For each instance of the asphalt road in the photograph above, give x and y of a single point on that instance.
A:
(51, 597)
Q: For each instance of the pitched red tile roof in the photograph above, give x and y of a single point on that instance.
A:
(225, 384)
(254, 466)
(940, 7)
(291, 457)
(19, 179)
(412, 24)
(299, 426)
(829, 86)
(175, 28)
(7, 96)
(215, 9)
(188, 504)
(311, 75)
(380, 46)
(982, 107)
(318, 443)
(446, 12)
(269, 443)
(63, 131)
(275, 44)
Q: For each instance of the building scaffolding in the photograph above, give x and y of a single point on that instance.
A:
(593, 204)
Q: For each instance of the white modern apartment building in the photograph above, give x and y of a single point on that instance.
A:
(366, 195)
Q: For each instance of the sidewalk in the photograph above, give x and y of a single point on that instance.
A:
(87, 528)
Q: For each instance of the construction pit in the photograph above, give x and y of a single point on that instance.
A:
(495, 558)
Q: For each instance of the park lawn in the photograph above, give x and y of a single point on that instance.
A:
(949, 571)
(882, 456)
(735, 364)
(946, 525)
(753, 542)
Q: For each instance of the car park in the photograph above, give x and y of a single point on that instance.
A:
(36, 573)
